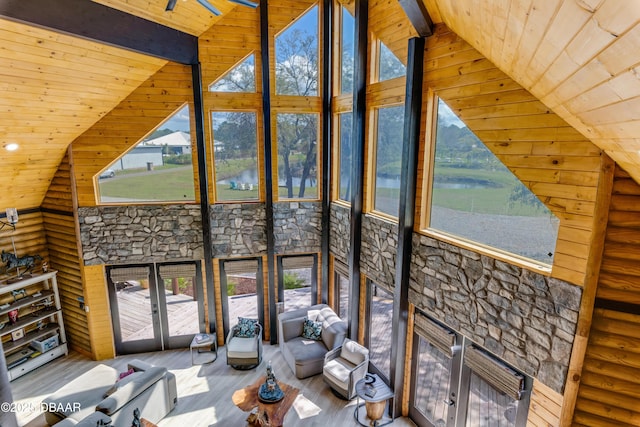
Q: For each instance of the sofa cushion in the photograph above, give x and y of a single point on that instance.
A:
(129, 391)
(291, 328)
(311, 330)
(338, 371)
(242, 348)
(353, 352)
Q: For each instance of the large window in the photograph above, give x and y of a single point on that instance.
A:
(158, 169)
(477, 198)
(388, 154)
(297, 155)
(236, 155)
(345, 166)
(347, 52)
(297, 57)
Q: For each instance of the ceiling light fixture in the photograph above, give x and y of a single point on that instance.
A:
(209, 7)
(12, 146)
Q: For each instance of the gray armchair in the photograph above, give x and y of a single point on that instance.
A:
(344, 366)
(244, 352)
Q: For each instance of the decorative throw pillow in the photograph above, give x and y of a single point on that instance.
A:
(122, 381)
(125, 373)
(312, 330)
(246, 328)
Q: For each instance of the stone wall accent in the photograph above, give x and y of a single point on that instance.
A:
(238, 229)
(339, 236)
(378, 250)
(297, 227)
(525, 318)
(133, 234)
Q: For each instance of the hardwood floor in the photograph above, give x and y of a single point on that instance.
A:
(204, 391)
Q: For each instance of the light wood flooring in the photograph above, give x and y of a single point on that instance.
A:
(204, 391)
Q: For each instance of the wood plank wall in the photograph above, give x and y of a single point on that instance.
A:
(64, 254)
(29, 236)
(551, 158)
(544, 406)
(610, 384)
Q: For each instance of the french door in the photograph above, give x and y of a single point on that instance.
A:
(242, 288)
(455, 382)
(155, 306)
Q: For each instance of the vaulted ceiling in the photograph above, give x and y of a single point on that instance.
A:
(580, 57)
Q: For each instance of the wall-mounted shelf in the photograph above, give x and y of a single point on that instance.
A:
(39, 322)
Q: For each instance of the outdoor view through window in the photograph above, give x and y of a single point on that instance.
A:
(157, 169)
(477, 198)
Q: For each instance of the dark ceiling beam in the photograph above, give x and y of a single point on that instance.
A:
(99, 23)
(417, 13)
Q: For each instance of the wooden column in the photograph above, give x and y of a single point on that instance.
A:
(357, 159)
(408, 174)
(203, 181)
(596, 249)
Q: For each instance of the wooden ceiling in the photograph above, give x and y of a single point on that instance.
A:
(580, 57)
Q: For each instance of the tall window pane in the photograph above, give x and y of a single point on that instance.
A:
(389, 66)
(347, 46)
(344, 178)
(236, 155)
(381, 318)
(297, 57)
(388, 159)
(297, 155)
(471, 187)
(158, 168)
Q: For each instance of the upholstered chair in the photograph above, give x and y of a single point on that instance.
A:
(344, 366)
(244, 344)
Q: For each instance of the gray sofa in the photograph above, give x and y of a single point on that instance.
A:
(305, 356)
(151, 389)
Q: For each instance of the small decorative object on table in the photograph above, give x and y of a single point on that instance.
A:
(17, 334)
(270, 391)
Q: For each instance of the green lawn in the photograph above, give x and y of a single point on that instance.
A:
(171, 184)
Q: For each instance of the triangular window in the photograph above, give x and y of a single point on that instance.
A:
(476, 197)
(389, 66)
(158, 168)
(241, 78)
(297, 57)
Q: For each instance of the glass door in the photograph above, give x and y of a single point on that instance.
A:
(134, 308)
(435, 373)
(379, 318)
(242, 287)
(179, 292)
(155, 307)
(297, 281)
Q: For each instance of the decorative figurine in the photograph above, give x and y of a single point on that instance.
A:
(13, 317)
(270, 391)
(45, 267)
(13, 261)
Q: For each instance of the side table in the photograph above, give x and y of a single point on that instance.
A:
(204, 343)
(375, 395)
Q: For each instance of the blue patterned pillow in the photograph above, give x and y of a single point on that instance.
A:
(246, 328)
(312, 330)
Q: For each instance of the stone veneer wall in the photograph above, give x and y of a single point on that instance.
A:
(525, 318)
(297, 227)
(130, 234)
(378, 250)
(238, 229)
(339, 236)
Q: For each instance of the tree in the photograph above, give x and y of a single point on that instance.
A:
(297, 145)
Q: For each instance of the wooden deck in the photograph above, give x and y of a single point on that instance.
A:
(204, 391)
